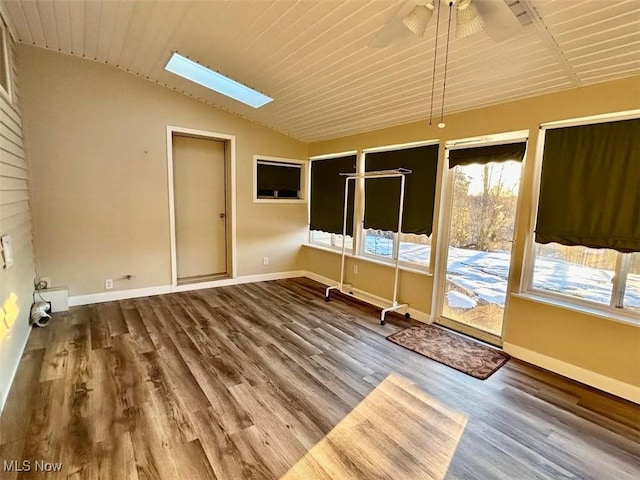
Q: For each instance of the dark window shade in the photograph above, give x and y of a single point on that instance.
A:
(488, 154)
(382, 195)
(273, 176)
(590, 186)
(327, 194)
(287, 193)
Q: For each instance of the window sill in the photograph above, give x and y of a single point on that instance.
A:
(276, 200)
(338, 251)
(604, 312)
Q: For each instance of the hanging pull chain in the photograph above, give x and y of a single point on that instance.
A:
(446, 62)
(435, 56)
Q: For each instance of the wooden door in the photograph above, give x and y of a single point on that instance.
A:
(200, 207)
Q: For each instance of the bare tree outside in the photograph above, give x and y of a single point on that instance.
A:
(481, 232)
(484, 220)
(480, 240)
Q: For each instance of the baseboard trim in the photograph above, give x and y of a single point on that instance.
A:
(89, 299)
(582, 375)
(224, 282)
(320, 279)
(368, 297)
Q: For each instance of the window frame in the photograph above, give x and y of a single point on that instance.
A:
(337, 248)
(357, 250)
(391, 261)
(528, 267)
(5, 62)
(336, 244)
(303, 165)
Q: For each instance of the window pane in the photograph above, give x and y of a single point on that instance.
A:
(331, 240)
(578, 272)
(323, 238)
(632, 291)
(415, 248)
(337, 241)
(378, 242)
(483, 213)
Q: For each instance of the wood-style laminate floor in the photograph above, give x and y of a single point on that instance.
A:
(268, 381)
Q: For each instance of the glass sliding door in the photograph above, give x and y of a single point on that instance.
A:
(478, 253)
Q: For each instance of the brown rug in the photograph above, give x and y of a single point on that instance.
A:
(456, 351)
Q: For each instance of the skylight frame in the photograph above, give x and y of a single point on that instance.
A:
(203, 76)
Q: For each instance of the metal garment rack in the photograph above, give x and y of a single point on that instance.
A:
(395, 173)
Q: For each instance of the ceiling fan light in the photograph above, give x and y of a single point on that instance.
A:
(468, 21)
(418, 19)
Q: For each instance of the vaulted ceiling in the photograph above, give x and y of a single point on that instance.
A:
(313, 58)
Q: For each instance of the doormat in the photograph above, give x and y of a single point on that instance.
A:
(455, 351)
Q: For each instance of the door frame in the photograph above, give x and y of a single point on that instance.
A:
(230, 195)
(444, 227)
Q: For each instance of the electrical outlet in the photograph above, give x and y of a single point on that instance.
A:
(355, 269)
(265, 260)
(108, 284)
(46, 281)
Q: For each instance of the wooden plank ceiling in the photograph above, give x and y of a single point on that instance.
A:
(313, 58)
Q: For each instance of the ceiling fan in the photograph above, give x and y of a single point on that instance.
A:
(494, 16)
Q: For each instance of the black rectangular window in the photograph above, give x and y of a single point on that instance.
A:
(382, 195)
(327, 194)
(278, 180)
(590, 186)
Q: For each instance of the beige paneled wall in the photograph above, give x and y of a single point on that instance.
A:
(97, 140)
(15, 220)
(593, 343)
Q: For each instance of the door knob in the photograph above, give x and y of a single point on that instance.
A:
(222, 215)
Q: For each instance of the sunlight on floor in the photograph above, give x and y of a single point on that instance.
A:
(396, 428)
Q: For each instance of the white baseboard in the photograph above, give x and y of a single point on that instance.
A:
(162, 289)
(320, 279)
(368, 297)
(76, 300)
(265, 277)
(593, 379)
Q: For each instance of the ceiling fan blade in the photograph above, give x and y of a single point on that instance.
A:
(499, 21)
(394, 31)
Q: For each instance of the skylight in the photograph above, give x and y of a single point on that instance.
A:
(195, 72)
